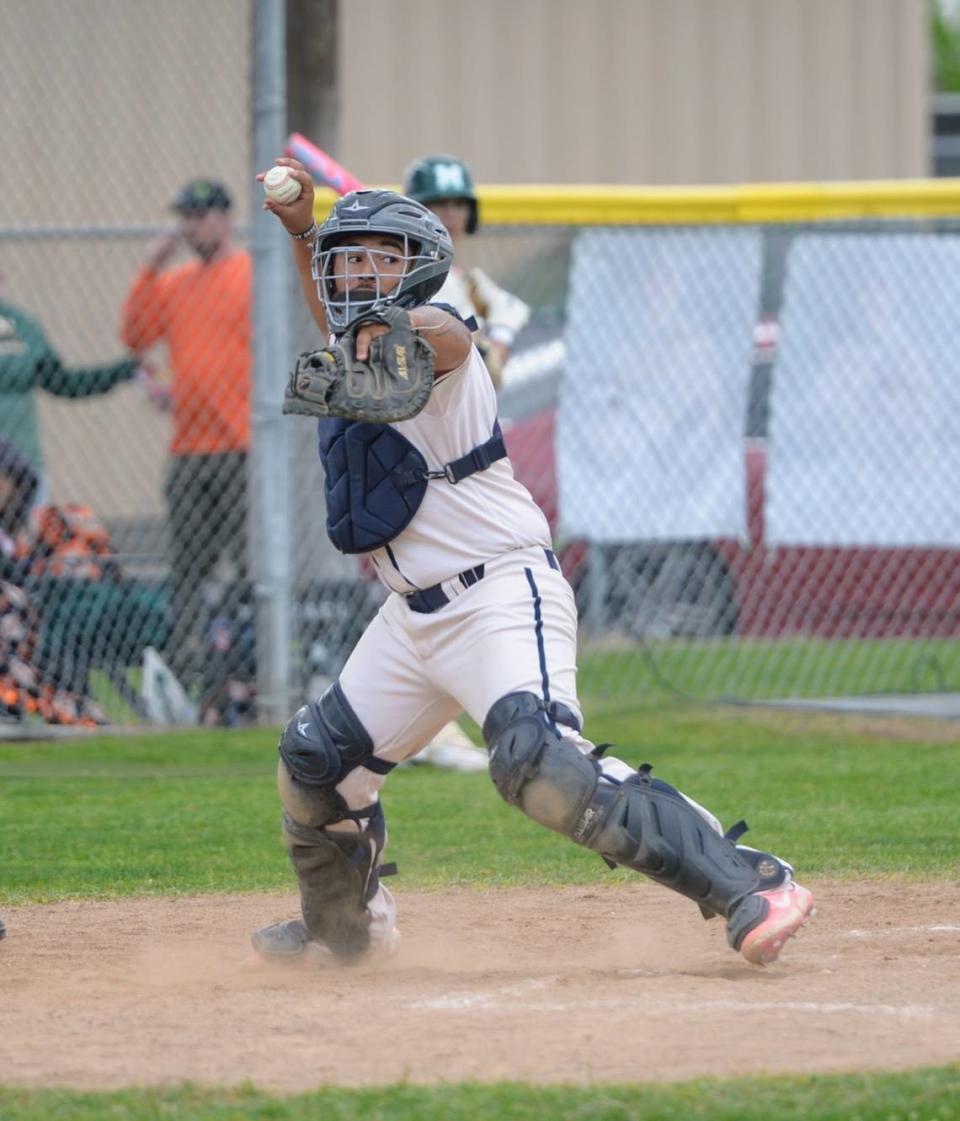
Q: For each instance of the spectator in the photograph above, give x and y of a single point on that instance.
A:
(201, 310)
(28, 362)
(18, 488)
(29, 685)
(444, 185)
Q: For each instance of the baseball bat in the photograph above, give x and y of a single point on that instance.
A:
(324, 169)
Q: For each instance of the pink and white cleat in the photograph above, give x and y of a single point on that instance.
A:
(763, 922)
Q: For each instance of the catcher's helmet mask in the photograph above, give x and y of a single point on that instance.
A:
(427, 254)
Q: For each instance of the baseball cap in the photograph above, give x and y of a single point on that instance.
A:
(200, 195)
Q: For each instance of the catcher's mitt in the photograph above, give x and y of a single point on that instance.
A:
(392, 384)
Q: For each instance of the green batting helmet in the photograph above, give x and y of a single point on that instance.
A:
(441, 177)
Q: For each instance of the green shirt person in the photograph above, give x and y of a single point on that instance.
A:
(28, 362)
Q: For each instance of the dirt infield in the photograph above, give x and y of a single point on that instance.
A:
(614, 983)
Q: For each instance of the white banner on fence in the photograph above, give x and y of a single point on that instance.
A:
(864, 445)
(653, 400)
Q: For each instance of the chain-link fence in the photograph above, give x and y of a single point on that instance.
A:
(747, 441)
(745, 436)
(125, 365)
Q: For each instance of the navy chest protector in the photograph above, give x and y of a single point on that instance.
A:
(376, 479)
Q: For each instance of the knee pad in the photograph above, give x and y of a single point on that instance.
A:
(642, 823)
(338, 875)
(324, 741)
(533, 768)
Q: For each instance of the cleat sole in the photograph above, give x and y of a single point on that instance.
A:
(763, 945)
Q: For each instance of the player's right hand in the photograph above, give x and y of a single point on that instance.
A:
(163, 248)
(296, 216)
(157, 389)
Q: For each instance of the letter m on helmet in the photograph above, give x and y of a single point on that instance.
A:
(449, 177)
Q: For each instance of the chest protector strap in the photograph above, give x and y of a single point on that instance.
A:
(376, 479)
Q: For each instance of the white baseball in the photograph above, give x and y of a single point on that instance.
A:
(279, 185)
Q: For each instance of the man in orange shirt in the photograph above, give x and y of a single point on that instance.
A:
(201, 310)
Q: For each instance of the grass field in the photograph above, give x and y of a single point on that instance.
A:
(929, 1095)
(663, 671)
(195, 812)
(753, 669)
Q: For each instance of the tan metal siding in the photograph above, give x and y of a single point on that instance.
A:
(637, 91)
(108, 106)
(551, 91)
(146, 93)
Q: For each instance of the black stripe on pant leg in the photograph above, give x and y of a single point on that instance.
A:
(538, 621)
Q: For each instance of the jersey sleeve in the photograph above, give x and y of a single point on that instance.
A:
(504, 314)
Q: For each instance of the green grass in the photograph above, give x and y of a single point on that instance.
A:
(923, 1095)
(740, 669)
(196, 811)
(106, 694)
(756, 670)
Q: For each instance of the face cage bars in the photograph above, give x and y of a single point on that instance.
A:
(343, 309)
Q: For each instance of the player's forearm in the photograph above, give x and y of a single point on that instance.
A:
(143, 318)
(296, 215)
(449, 337)
(83, 381)
(303, 258)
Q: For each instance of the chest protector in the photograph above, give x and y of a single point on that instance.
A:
(376, 479)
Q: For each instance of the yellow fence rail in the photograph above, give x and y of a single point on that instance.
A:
(536, 205)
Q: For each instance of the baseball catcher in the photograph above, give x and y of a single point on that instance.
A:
(478, 617)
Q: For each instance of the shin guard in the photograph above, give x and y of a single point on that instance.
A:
(642, 823)
(337, 872)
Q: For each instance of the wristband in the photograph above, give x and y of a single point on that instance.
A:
(306, 235)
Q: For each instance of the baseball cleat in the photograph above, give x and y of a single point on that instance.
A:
(290, 943)
(451, 749)
(453, 757)
(281, 941)
(781, 912)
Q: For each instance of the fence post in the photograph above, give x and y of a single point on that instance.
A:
(270, 458)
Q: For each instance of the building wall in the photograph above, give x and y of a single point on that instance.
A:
(637, 91)
(106, 106)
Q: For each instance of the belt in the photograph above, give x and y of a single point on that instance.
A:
(431, 599)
